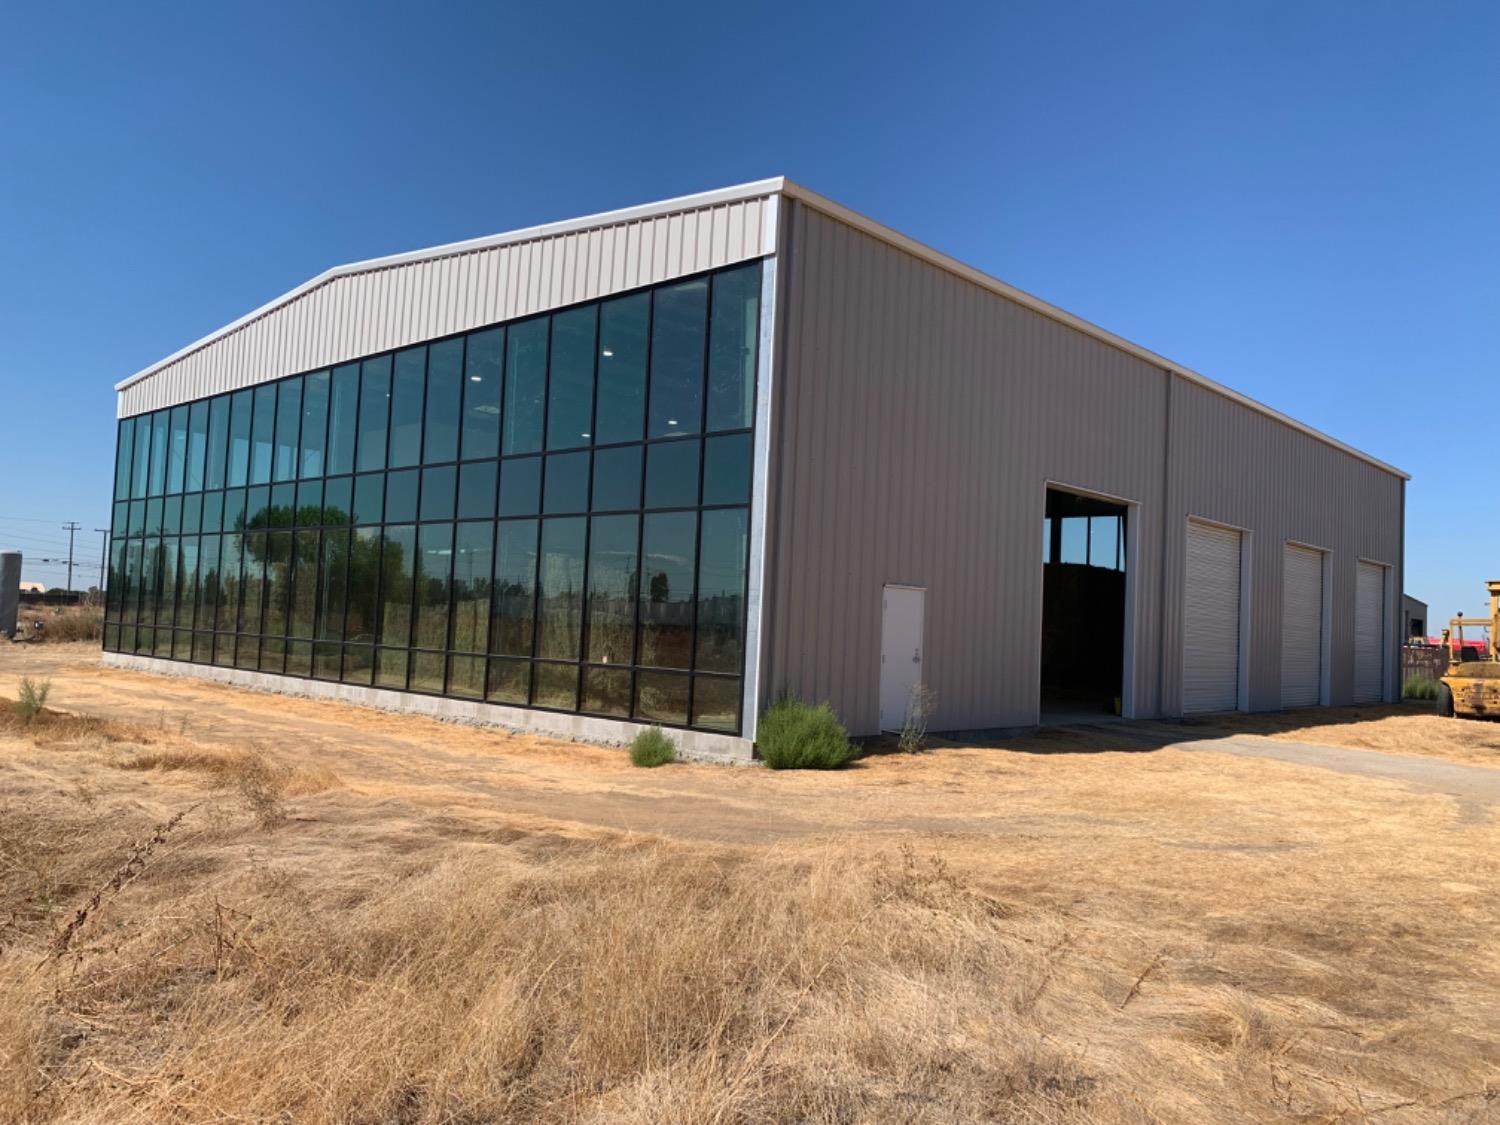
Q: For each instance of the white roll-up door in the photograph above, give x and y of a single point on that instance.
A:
(1301, 627)
(1369, 633)
(1211, 620)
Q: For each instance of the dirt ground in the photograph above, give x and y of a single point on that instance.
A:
(1113, 925)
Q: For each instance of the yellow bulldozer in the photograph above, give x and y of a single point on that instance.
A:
(1472, 686)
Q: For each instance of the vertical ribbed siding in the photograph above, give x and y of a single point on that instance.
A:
(920, 418)
(391, 306)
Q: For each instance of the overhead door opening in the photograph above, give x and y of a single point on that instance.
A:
(1301, 627)
(1369, 633)
(1083, 607)
(1211, 619)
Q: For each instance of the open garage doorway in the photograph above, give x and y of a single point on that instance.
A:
(1084, 589)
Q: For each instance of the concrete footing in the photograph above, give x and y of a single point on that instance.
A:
(693, 745)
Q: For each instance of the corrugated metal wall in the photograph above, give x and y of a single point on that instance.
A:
(391, 306)
(919, 420)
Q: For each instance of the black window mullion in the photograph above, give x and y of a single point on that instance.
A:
(536, 582)
(458, 441)
(489, 624)
(640, 523)
(588, 522)
(416, 527)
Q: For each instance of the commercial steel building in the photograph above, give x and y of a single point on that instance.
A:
(668, 463)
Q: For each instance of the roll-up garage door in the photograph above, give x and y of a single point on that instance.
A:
(1211, 620)
(1301, 627)
(1369, 633)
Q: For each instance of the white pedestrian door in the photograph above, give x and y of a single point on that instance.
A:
(1369, 633)
(1211, 620)
(900, 652)
(1301, 627)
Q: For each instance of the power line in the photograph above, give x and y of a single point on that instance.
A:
(71, 527)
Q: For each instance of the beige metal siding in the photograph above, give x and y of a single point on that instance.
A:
(1211, 619)
(389, 306)
(919, 418)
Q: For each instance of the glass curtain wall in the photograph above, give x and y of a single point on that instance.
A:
(549, 513)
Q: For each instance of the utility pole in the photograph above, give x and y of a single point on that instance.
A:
(103, 562)
(70, 527)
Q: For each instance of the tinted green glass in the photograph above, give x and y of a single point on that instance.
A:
(666, 596)
(197, 446)
(374, 412)
(131, 596)
(314, 437)
(326, 659)
(432, 585)
(444, 393)
(525, 387)
(187, 581)
(611, 595)
(332, 585)
(466, 676)
(115, 592)
(278, 582)
(213, 511)
(310, 503)
(482, 377)
(398, 561)
(229, 582)
(514, 600)
(171, 515)
(272, 654)
(672, 474)
(521, 486)
(283, 510)
(678, 324)
(252, 582)
(218, 442)
(241, 405)
(723, 551)
(166, 565)
(476, 490)
(288, 424)
(140, 463)
(262, 430)
(726, 469)
(359, 663)
(153, 516)
(570, 387)
(137, 522)
(427, 671)
(369, 497)
(733, 330)
(342, 419)
(124, 446)
(473, 563)
(257, 505)
(438, 488)
(556, 687)
(606, 691)
(364, 586)
(192, 513)
(617, 479)
(121, 522)
(661, 697)
(510, 681)
(621, 412)
(177, 443)
(208, 581)
(401, 496)
(338, 500)
(298, 658)
(391, 667)
(407, 391)
(560, 588)
(566, 479)
(716, 703)
(159, 429)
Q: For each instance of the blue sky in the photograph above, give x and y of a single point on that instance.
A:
(1301, 201)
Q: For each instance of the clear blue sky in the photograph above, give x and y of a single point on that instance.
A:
(1299, 200)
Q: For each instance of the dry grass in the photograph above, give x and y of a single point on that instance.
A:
(62, 624)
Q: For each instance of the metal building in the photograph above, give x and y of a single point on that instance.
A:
(669, 463)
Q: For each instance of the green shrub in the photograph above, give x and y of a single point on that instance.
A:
(33, 698)
(798, 736)
(652, 748)
(1420, 687)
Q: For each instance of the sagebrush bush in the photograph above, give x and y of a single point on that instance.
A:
(33, 698)
(1420, 687)
(652, 748)
(799, 736)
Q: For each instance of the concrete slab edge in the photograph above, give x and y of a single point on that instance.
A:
(694, 746)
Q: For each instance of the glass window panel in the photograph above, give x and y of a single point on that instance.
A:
(432, 586)
(678, 321)
(556, 686)
(466, 676)
(390, 668)
(213, 511)
(726, 469)
(121, 522)
(560, 588)
(224, 650)
(332, 585)
(326, 659)
(115, 591)
(369, 497)
(621, 411)
(272, 654)
(521, 486)
(166, 605)
(525, 386)
(208, 582)
(159, 427)
(407, 390)
(197, 446)
(721, 589)
(401, 496)
(257, 504)
(278, 582)
(427, 671)
(288, 423)
(613, 541)
(606, 691)
(187, 581)
(567, 483)
(124, 446)
(171, 515)
(309, 503)
(359, 663)
(666, 596)
(192, 513)
(444, 391)
(342, 420)
(398, 558)
(283, 510)
(218, 442)
(131, 599)
(374, 411)
(262, 430)
(570, 387)
(177, 448)
(438, 486)
(163, 647)
(716, 703)
(661, 697)
(364, 585)
(510, 681)
(734, 328)
(476, 490)
(247, 652)
(473, 564)
(314, 435)
(515, 588)
(153, 516)
(672, 474)
(229, 582)
(338, 500)
(298, 658)
(140, 470)
(617, 478)
(150, 581)
(252, 583)
(241, 403)
(481, 425)
(137, 522)
(304, 581)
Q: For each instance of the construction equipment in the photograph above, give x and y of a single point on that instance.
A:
(1472, 686)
